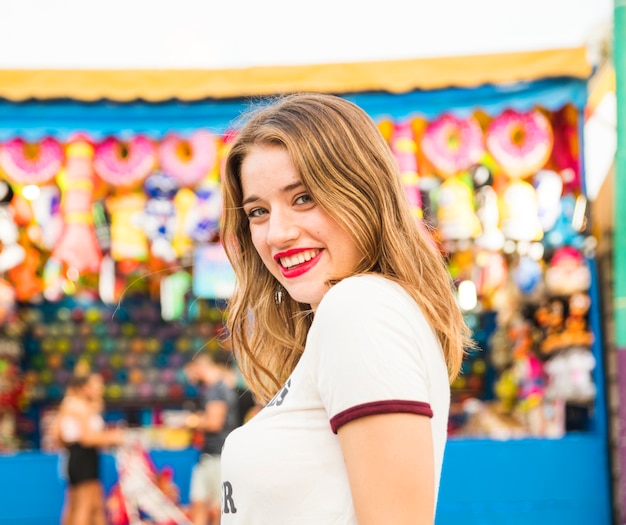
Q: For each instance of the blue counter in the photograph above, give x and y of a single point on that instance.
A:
(484, 482)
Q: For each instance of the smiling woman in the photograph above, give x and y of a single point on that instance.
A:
(355, 358)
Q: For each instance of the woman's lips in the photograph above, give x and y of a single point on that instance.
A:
(299, 269)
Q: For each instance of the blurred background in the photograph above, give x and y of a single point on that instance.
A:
(505, 118)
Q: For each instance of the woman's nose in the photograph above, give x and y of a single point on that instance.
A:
(282, 229)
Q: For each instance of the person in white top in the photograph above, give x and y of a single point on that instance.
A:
(80, 428)
(344, 321)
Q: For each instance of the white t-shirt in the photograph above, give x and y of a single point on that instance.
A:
(369, 351)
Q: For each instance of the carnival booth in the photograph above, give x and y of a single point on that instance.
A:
(110, 258)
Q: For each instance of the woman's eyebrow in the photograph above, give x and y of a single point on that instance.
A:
(285, 189)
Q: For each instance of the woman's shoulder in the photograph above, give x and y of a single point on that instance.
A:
(365, 288)
(366, 297)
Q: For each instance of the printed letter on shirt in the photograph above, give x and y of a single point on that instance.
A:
(229, 502)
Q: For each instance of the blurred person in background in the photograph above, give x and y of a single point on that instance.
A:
(218, 417)
(80, 428)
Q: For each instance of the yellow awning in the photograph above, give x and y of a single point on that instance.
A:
(396, 76)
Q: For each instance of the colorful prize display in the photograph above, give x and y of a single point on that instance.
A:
(110, 257)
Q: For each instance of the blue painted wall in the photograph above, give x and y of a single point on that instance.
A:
(484, 482)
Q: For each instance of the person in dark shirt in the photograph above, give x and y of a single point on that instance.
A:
(218, 418)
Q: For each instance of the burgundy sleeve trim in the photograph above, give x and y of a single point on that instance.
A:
(391, 406)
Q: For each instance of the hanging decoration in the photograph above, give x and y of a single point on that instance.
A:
(128, 239)
(188, 160)
(453, 144)
(404, 148)
(520, 143)
(78, 247)
(31, 163)
(11, 252)
(519, 212)
(158, 219)
(124, 163)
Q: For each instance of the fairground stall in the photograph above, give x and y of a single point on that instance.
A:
(110, 260)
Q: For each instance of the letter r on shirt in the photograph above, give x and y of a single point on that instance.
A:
(227, 498)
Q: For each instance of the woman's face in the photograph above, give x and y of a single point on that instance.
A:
(299, 243)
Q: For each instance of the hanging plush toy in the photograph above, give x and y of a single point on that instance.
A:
(452, 144)
(576, 332)
(548, 188)
(564, 231)
(25, 277)
(528, 276)
(11, 253)
(202, 222)
(78, 247)
(456, 217)
(569, 376)
(188, 160)
(567, 273)
(47, 225)
(404, 148)
(565, 154)
(520, 143)
(128, 240)
(519, 220)
(491, 238)
(124, 163)
(528, 373)
(31, 163)
(159, 216)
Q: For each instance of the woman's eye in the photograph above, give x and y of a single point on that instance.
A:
(305, 198)
(255, 212)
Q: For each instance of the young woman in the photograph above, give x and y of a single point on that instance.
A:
(80, 428)
(344, 320)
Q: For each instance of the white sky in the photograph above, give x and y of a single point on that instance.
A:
(239, 33)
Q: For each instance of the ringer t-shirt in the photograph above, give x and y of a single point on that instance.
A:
(369, 351)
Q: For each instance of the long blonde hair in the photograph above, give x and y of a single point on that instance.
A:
(349, 170)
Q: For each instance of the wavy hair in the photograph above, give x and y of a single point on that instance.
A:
(348, 169)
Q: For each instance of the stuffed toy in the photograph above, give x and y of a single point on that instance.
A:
(569, 376)
(567, 273)
(564, 232)
(456, 215)
(453, 144)
(548, 187)
(124, 164)
(521, 143)
(404, 148)
(159, 216)
(11, 253)
(188, 160)
(491, 237)
(519, 213)
(78, 246)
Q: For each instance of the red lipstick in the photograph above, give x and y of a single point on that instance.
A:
(300, 269)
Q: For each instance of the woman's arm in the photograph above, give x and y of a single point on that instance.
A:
(90, 437)
(107, 437)
(390, 464)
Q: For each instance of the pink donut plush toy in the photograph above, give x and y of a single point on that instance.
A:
(188, 160)
(452, 144)
(124, 163)
(520, 143)
(31, 163)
